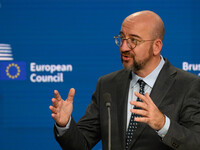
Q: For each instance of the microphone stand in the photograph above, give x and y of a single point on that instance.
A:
(109, 125)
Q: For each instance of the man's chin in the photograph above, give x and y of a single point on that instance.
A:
(127, 66)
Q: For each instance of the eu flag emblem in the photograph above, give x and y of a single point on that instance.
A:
(12, 70)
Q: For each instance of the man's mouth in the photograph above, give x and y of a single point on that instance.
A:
(125, 57)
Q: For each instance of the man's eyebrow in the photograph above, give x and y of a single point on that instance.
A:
(135, 35)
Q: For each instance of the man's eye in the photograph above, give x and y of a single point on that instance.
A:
(133, 40)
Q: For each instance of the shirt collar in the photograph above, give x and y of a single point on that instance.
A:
(151, 78)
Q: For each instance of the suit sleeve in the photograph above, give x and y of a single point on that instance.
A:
(84, 134)
(185, 133)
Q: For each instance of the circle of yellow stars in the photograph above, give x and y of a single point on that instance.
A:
(18, 71)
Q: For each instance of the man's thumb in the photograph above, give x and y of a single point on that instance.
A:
(71, 95)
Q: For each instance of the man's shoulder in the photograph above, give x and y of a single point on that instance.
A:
(180, 74)
(186, 74)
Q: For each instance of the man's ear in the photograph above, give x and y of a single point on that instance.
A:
(157, 46)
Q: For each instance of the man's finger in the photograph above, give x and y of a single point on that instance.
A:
(57, 95)
(71, 95)
(53, 109)
(149, 98)
(142, 119)
(55, 102)
(139, 104)
(55, 117)
(140, 112)
(140, 96)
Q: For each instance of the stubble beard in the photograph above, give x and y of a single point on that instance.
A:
(138, 65)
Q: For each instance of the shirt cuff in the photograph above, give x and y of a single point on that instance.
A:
(62, 130)
(162, 132)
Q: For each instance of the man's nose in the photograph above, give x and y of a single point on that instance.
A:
(124, 46)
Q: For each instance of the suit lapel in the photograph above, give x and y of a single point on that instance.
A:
(122, 97)
(162, 85)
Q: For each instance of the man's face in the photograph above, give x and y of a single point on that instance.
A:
(136, 59)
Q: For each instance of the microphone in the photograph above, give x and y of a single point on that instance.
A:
(107, 99)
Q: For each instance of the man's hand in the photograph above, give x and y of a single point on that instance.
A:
(149, 112)
(62, 110)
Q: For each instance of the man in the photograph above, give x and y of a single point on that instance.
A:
(169, 113)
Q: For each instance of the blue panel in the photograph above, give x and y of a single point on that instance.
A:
(59, 44)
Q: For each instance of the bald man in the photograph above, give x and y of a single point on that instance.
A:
(155, 106)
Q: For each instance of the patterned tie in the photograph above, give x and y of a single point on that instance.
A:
(133, 124)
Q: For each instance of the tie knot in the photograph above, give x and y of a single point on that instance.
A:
(141, 83)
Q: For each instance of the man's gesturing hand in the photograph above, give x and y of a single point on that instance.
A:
(149, 112)
(62, 110)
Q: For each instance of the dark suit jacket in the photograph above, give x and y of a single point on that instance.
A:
(176, 93)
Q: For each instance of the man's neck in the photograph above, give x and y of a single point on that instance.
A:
(148, 68)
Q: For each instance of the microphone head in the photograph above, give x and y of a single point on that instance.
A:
(107, 99)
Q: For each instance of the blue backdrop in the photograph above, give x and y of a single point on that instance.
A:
(59, 44)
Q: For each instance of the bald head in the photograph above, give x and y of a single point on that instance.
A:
(149, 20)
